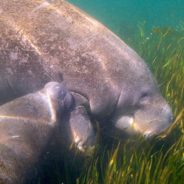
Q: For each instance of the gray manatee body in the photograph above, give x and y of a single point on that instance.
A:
(29, 123)
(26, 126)
(46, 43)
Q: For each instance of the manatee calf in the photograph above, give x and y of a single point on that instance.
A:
(46, 43)
(28, 123)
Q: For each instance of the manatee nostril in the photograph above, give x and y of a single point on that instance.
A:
(59, 94)
(62, 93)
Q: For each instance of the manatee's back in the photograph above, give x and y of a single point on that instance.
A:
(40, 42)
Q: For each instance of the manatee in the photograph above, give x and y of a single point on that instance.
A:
(57, 41)
(28, 123)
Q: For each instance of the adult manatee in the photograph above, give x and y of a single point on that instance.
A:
(40, 42)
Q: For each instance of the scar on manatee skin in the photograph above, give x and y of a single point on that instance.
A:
(15, 136)
(44, 4)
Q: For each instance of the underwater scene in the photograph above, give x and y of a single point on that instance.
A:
(155, 29)
(92, 92)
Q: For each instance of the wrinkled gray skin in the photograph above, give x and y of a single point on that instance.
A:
(28, 124)
(46, 43)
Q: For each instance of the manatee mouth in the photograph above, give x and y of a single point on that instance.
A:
(148, 119)
(154, 131)
(125, 122)
(148, 129)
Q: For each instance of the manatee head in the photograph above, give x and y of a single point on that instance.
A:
(77, 128)
(140, 107)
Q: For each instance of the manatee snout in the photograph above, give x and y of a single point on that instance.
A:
(153, 119)
(59, 95)
(149, 117)
(80, 129)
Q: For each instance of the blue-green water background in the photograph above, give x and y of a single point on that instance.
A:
(123, 16)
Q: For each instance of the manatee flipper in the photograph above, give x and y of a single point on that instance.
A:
(82, 131)
(26, 126)
(81, 128)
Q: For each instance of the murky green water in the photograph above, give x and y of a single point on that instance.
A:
(123, 16)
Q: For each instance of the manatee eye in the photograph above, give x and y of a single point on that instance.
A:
(144, 98)
(144, 95)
